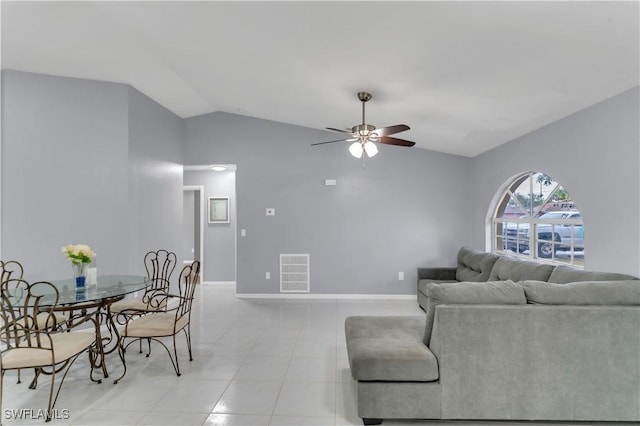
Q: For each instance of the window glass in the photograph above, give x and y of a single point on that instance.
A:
(537, 212)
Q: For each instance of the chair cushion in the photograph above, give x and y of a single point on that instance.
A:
(389, 348)
(65, 346)
(583, 293)
(474, 293)
(130, 303)
(156, 324)
(474, 265)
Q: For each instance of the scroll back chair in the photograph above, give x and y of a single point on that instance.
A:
(12, 269)
(30, 338)
(154, 325)
(159, 266)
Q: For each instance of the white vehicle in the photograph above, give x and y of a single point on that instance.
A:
(551, 237)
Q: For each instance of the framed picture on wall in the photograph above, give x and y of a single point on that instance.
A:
(218, 209)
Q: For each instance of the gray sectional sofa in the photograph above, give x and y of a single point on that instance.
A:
(503, 339)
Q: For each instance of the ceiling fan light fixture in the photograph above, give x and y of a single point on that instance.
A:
(356, 149)
(370, 148)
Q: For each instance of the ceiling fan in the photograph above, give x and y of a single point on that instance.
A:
(365, 136)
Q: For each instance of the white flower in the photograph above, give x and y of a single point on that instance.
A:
(79, 253)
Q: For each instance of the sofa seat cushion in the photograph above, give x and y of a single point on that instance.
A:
(422, 284)
(389, 348)
(566, 274)
(583, 293)
(470, 293)
(508, 268)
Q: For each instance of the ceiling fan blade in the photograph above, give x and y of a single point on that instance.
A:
(395, 141)
(339, 130)
(390, 130)
(322, 143)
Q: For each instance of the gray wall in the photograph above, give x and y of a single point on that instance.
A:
(219, 260)
(64, 172)
(594, 154)
(155, 180)
(408, 207)
(99, 163)
(74, 171)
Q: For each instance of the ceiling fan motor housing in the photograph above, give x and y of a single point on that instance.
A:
(363, 129)
(364, 96)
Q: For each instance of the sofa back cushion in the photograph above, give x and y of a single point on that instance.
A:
(566, 274)
(508, 268)
(583, 292)
(470, 293)
(474, 265)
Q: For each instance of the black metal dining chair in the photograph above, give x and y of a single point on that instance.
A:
(159, 265)
(155, 325)
(12, 269)
(30, 336)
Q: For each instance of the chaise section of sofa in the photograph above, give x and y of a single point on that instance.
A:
(396, 372)
(389, 349)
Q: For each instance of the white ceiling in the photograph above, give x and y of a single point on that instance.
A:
(466, 76)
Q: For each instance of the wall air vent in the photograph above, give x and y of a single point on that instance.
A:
(294, 273)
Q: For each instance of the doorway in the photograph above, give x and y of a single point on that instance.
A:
(193, 231)
(217, 238)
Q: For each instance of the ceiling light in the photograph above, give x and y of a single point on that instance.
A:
(356, 149)
(218, 167)
(370, 148)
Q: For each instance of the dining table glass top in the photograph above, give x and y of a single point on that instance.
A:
(107, 287)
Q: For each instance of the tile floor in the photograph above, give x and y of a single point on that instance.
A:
(256, 362)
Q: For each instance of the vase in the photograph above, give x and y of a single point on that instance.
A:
(80, 274)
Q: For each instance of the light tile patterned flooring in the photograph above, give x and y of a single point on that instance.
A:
(256, 362)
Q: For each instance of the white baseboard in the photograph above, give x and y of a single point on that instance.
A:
(326, 296)
(312, 295)
(228, 283)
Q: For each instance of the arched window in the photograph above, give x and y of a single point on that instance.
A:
(536, 218)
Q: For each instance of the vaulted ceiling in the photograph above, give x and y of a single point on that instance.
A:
(465, 76)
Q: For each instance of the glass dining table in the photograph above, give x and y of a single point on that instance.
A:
(96, 300)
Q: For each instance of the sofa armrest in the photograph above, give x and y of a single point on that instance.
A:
(437, 273)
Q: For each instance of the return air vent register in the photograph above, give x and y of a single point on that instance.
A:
(294, 273)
